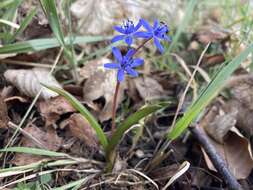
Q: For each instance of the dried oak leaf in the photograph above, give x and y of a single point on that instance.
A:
(53, 108)
(48, 139)
(100, 84)
(234, 148)
(81, 128)
(28, 81)
(3, 113)
(148, 88)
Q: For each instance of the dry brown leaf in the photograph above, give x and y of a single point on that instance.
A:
(3, 113)
(99, 16)
(211, 33)
(100, 84)
(28, 81)
(48, 139)
(52, 109)
(235, 151)
(81, 128)
(148, 88)
(230, 144)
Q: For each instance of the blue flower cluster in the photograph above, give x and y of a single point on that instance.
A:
(129, 32)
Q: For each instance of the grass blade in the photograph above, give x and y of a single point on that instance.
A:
(188, 15)
(46, 43)
(49, 8)
(208, 94)
(78, 106)
(130, 121)
(23, 25)
(35, 151)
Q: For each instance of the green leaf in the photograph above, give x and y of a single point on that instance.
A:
(46, 43)
(208, 94)
(78, 106)
(187, 17)
(35, 151)
(49, 8)
(130, 121)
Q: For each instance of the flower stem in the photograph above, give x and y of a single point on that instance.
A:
(114, 105)
(141, 46)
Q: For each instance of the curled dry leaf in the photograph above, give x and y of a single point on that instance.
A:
(234, 149)
(100, 84)
(48, 139)
(28, 81)
(241, 92)
(98, 16)
(3, 113)
(53, 108)
(80, 128)
(148, 88)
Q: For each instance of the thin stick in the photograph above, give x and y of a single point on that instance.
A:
(216, 159)
(114, 105)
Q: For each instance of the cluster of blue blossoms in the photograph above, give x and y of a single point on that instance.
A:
(129, 32)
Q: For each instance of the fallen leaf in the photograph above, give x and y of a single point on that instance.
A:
(148, 88)
(3, 113)
(100, 85)
(229, 143)
(81, 128)
(53, 108)
(113, 12)
(29, 81)
(48, 139)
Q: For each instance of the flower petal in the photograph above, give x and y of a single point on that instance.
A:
(118, 38)
(137, 62)
(129, 40)
(129, 53)
(112, 66)
(117, 54)
(145, 35)
(137, 27)
(120, 75)
(146, 25)
(131, 72)
(158, 45)
(156, 24)
(119, 29)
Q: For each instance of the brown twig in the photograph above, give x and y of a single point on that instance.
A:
(216, 159)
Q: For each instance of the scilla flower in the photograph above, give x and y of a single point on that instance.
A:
(127, 30)
(124, 63)
(157, 32)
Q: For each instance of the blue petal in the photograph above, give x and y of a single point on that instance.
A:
(119, 29)
(146, 25)
(111, 66)
(167, 38)
(145, 35)
(120, 75)
(129, 40)
(130, 53)
(137, 62)
(137, 27)
(131, 72)
(158, 45)
(118, 38)
(117, 54)
(156, 24)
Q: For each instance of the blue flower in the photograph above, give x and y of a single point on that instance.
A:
(124, 63)
(157, 32)
(127, 30)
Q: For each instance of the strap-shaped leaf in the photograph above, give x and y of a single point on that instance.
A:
(78, 106)
(130, 121)
(208, 94)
